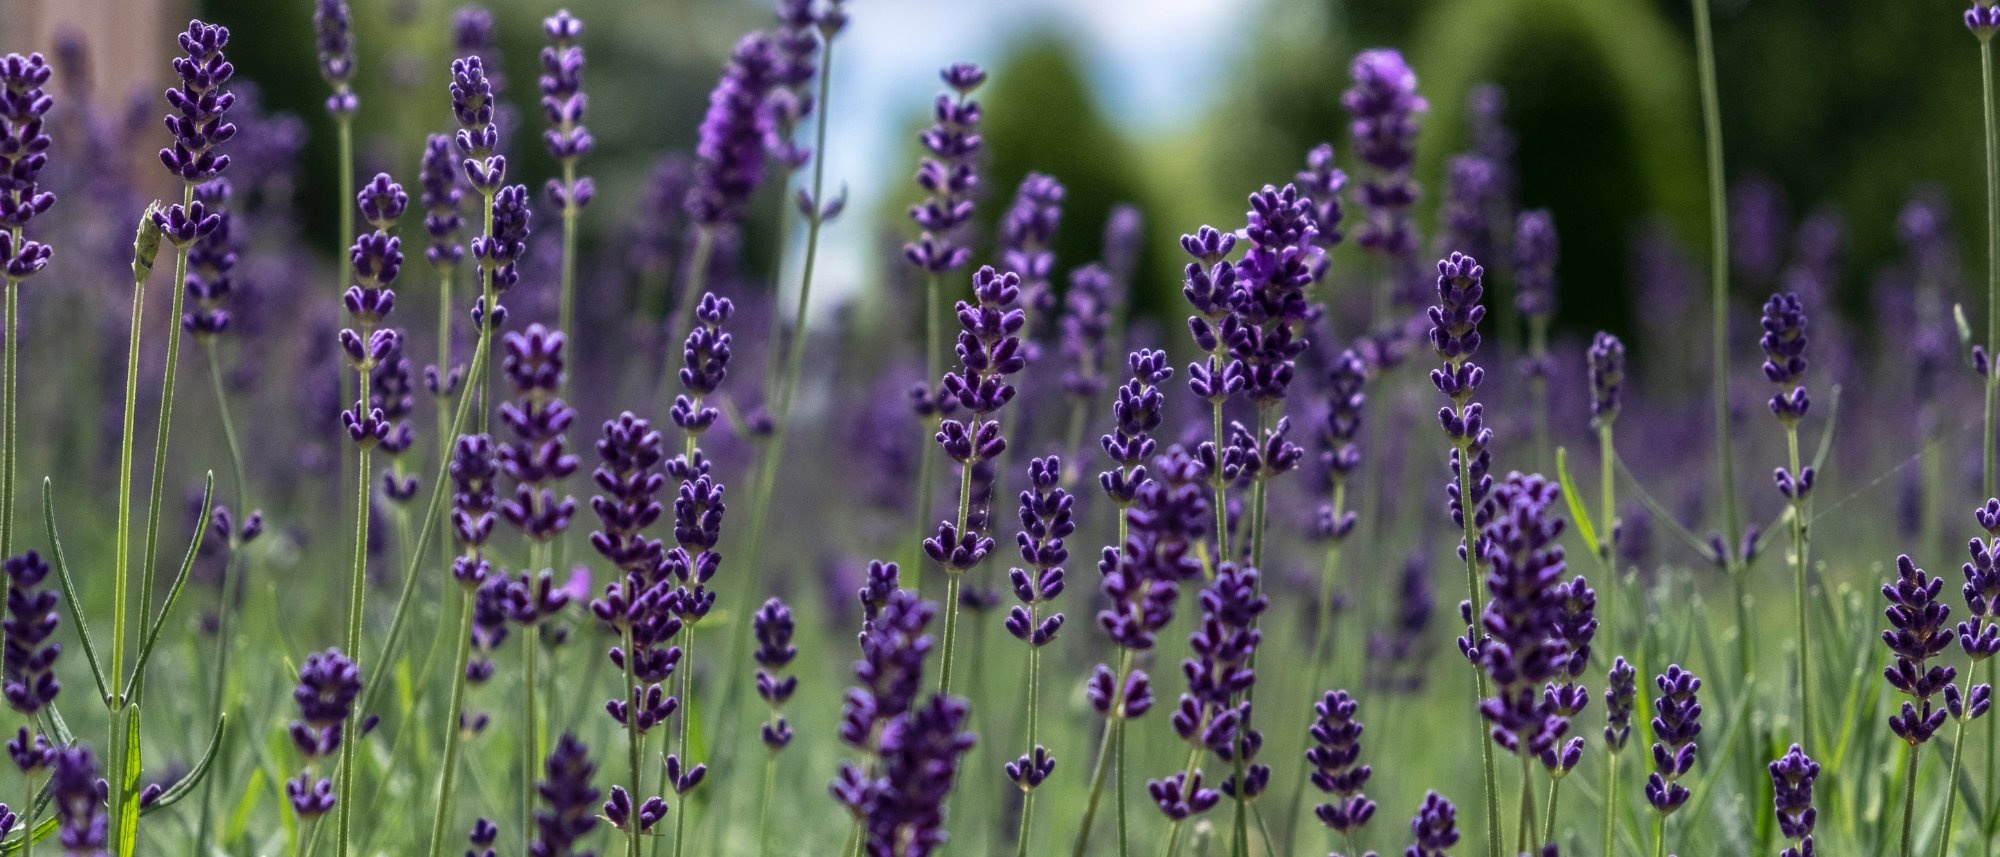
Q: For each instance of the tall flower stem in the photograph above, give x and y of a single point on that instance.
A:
(1471, 537)
(1986, 437)
(225, 602)
(1034, 673)
(1951, 791)
(1610, 802)
(1800, 545)
(1549, 824)
(154, 509)
(1718, 250)
(686, 670)
(1910, 762)
(1607, 510)
(926, 467)
(10, 411)
(1538, 383)
(1659, 836)
(530, 640)
(1221, 498)
(454, 735)
(566, 301)
(121, 568)
(28, 816)
(1527, 817)
(951, 585)
(482, 369)
(1322, 637)
(764, 807)
(357, 593)
(1108, 750)
(635, 743)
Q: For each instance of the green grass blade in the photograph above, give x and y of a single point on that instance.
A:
(1577, 513)
(186, 784)
(174, 593)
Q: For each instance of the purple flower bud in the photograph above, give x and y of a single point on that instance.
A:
(566, 790)
(1676, 723)
(1918, 631)
(199, 105)
(1435, 827)
(949, 175)
(30, 682)
(733, 133)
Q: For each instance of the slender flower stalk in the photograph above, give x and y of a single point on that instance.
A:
(1718, 307)
(329, 684)
(629, 476)
(1455, 337)
(1340, 458)
(1621, 695)
(211, 262)
(563, 103)
(774, 627)
(989, 349)
(23, 109)
(333, 26)
(1046, 520)
(1212, 715)
(1140, 586)
(949, 176)
(377, 257)
(1784, 345)
(1605, 366)
(474, 474)
(1983, 19)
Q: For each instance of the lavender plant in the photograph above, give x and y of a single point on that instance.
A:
(1784, 344)
(1676, 723)
(949, 176)
(24, 107)
(775, 652)
(563, 104)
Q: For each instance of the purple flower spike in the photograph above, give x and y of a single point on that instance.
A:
(334, 28)
(1385, 107)
(1086, 329)
(563, 103)
(630, 480)
(24, 146)
(1323, 183)
(211, 259)
(473, 474)
(1136, 414)
(773, 627)
(1454, 336)
(1620, 695)
(1606, 368)
(1027, 231)
(1435, 827)
(198, 121)
(1535, 265)
(329, 684)
(1918, 631)
(1983, 19)
(1046, 520)
(1337, 771)
(538, 459)
(441, 201)
(1784, 344)
(949, 176)
(472, 103)
(1792, 786)
(1676, 723)
(79, 794)
(791, 101)
(921, 753)
(566, 790)
(1521, 642)
(31, 655)
(733, 135)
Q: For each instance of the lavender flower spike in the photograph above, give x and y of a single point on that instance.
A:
(199, 122)
(1435, 827)
(949, 175)
(1918, 631)
(31, 620)
(1677, 722)
(24, 107)
(1337, 772)
(1385, 108)
(334, 27)
(732, 135)
(78, 795)
(1792, 786)
(565, 787)
(564, 103)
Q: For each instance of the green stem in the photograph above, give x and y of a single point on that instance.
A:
(926, 465)
(484, 374)
(225, 603)
(1800, 546)
(1107, 747)
(697, 280)
(764, 808)
(1951, 791)
(1322, 636)
(566, 300)
(454, 733)
(1986, 438)
(28, 817)
(1718, 225)
(1607, 546)
(530, 637)
(357, 593)
(1538, 352)
(1659, 836)
(156, 508)
(1527, 817)
(1610, 803)
(1910, 763)
(10, 410)
(635, 742)
(686, 670)
(952, 576)
(1471, 537)
(1034, 671)
(1549, 824)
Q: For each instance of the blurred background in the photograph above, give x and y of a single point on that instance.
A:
(1183, 106)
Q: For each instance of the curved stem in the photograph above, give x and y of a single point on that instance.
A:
(952, 576)
(1800, 546)
(357, 593)
(1471, 543)
(686, 669)
(225, 601)
(155, 508)
(1951, 791)
(454, 734)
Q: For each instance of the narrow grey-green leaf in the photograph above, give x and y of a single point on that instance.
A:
(69, 590)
